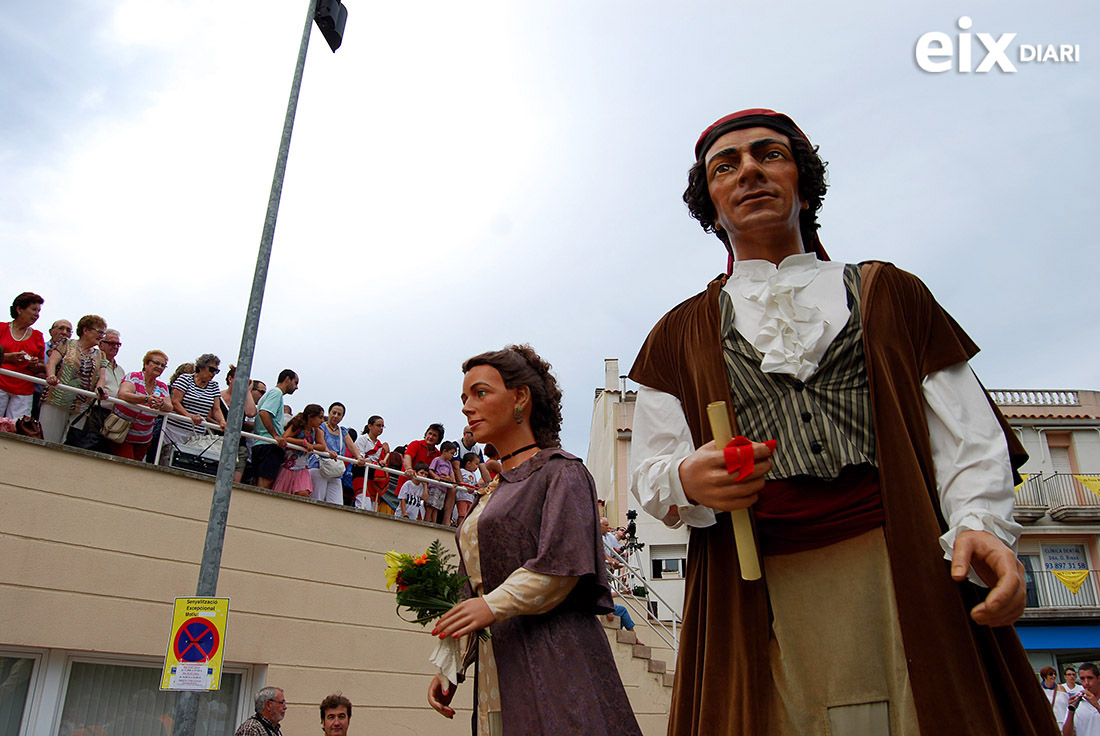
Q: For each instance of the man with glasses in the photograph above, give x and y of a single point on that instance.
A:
(110, 373)
(257, 389)
(270, 708)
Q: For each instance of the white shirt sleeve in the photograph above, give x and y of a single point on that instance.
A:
(970, 455)
(660, 440)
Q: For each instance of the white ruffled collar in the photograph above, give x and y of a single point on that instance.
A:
(792, 325)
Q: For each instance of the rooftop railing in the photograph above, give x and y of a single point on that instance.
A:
(1034, 397)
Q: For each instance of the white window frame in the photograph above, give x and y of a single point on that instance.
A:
(660, 553)
(50, 683)
(34, 688)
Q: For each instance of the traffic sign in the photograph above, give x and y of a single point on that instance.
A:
(193, 657)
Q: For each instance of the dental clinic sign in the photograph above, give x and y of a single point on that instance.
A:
(938, 52)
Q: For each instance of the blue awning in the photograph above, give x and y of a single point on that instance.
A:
(1039, 638)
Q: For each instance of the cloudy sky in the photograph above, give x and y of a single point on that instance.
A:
(464, 175)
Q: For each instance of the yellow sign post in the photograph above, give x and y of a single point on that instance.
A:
(193, 658)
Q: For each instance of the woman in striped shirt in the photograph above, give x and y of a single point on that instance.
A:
(195, 398)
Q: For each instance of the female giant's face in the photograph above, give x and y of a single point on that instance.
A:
(335, 414)
(488, 405)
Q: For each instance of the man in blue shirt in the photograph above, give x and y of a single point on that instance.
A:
(268, 454)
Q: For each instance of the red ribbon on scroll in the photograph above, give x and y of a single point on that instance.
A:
(739, 457)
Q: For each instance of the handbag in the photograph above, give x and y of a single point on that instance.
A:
(28, 427)
(203, 445)
(97, 415)
(84, 438)
(116, 428)
(331, 468)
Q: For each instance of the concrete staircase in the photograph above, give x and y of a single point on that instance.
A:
(646, 671)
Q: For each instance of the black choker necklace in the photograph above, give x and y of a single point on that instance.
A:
(511, 455)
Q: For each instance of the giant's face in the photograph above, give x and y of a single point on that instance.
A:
(488, 404)
(753, 182)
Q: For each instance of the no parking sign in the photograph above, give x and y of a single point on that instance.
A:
(193, 658)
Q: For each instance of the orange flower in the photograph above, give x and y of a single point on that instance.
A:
(421, 560)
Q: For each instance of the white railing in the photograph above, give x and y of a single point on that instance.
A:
(211, 425)
(667, 634)
(1034, 397)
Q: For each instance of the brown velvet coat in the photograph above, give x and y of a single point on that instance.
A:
(966, 678)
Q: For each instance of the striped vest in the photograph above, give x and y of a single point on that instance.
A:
(822, 425)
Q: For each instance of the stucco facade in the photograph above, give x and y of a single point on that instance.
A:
(94, 549)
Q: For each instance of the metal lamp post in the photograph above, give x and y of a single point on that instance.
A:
(331, 16)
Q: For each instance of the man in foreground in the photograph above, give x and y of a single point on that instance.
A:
(1084, 706)
(335, 715)
(270, 709)
(888, 457)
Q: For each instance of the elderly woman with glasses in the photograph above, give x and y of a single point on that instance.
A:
(142, 387)
(74, 363)
(195, 399)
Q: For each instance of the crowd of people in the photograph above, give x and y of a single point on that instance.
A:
(294, 453)
(1075, 702)
(515, 581)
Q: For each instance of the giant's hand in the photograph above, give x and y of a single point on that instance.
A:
(467, 617)
(997, 565)
(440, 694)
(706, 481)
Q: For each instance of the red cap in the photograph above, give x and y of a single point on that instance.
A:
(752, 118)
(755, 117)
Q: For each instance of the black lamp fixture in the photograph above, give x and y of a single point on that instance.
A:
(331, 17)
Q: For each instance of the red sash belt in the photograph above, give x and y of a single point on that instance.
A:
(799, 514)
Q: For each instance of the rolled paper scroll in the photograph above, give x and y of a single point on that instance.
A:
(742, 524)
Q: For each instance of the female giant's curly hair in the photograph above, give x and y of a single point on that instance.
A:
(520, 365)
(811, 189)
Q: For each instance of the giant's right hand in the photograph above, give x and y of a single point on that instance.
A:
(440, 694)
(706, 482)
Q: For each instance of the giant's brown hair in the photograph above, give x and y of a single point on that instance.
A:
(520, 365)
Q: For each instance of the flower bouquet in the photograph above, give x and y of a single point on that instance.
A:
(427, 587)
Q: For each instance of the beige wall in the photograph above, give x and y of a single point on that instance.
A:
(94, 550)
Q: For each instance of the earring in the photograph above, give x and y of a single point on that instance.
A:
(518, 414)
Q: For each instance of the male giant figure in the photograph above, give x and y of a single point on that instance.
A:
(890, 458)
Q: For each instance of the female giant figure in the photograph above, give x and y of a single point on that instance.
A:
(531, 546)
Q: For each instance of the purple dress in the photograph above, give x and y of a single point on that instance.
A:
(556, 672)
